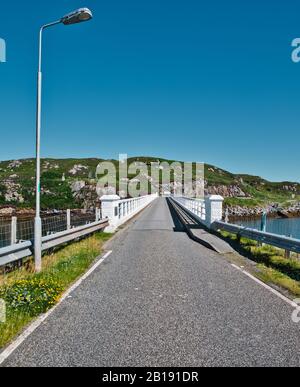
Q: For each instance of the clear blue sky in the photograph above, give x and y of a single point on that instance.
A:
(192, 80)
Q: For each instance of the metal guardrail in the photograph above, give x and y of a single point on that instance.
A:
(22, 250)
(282, 242)
(59, 238)
(15, 252)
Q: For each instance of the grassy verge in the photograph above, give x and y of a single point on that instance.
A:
(272, 267)
(27, 294)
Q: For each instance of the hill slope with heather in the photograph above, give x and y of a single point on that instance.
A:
(70, 183)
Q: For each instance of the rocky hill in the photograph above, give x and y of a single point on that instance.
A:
(70, 183)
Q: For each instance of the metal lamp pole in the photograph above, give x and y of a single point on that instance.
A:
(78, 16)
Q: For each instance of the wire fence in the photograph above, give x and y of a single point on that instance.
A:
(54, 224)
(82, 219)
(5, 233)
(24, 230)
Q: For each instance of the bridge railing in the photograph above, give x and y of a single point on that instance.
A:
(196, 206)
(119, 211)
(210, 212)
(280, 241)
(206, 210)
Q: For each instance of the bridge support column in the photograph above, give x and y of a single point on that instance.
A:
(110, 210)
(214, 209)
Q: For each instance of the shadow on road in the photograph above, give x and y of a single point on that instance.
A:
(178, 225)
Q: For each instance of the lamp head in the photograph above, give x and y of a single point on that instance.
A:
(78, 16)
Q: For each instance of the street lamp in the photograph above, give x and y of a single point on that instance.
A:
(78, 16)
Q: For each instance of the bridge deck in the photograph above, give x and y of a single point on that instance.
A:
(162, 299)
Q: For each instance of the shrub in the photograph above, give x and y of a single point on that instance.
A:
(31, 296)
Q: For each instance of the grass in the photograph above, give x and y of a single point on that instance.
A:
(243, 202)
(272, 266)
(62, 268)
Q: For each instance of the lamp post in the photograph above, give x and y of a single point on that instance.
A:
(78, 16)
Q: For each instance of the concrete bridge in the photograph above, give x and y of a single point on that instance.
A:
(158, 298)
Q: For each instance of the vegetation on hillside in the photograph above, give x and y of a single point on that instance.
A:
(17, 180)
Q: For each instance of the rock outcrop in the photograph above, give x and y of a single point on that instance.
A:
(12, 193)
(227, 191)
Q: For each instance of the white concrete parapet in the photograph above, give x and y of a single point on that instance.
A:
(214, 209)
(206, 211)
(120, 211)
(196, 206)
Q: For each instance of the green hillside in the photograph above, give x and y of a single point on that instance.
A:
(71, 183)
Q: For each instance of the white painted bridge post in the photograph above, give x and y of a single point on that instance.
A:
(214, 209)
(110, 210)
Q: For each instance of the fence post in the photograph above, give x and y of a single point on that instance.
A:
(263, 226)
(13, 232)
(68, 219)
(214, 209)
(110, 210)
(226, 215)
(287, 253)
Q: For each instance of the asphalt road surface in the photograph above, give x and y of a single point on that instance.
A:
(161, 299)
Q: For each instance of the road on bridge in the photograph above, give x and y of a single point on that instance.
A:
(161, 299)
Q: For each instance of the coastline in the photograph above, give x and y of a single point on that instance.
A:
(274, 210)
(233, 219)
(234, 213)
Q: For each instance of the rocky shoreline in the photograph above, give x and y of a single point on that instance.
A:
(233, 212)
(273, 211)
